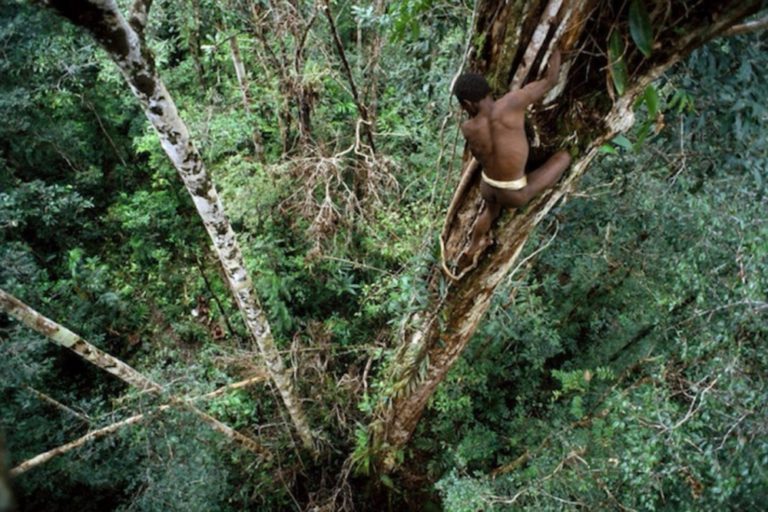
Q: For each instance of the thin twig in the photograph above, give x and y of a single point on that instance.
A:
(50, 400)
(746, 27)
(342, 55)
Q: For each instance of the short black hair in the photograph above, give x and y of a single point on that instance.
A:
(471, 87)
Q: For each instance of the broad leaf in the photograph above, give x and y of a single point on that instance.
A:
(623, 142)
(617, 67)
(640, 27)
(651, 98)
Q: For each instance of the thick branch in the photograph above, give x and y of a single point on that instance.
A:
(440, 333)
(126, 48)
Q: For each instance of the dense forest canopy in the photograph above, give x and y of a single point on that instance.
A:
(279, 329)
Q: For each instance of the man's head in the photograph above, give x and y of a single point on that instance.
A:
(470, 88)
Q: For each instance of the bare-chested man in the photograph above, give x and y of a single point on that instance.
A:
(495, 133)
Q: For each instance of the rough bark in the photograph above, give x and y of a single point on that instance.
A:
(581, 114)
(63, 337)
(125, 46)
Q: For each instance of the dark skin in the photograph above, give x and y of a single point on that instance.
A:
(495, 132)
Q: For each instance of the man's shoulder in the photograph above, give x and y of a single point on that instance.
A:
(513, 100)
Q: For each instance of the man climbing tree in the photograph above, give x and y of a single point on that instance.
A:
(613, 54)
(495, 133)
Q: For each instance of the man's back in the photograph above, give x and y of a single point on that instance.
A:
(497, 139)
(495, 133)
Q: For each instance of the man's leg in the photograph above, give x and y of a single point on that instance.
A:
(495, 198)
(481, 229)
(546, 175)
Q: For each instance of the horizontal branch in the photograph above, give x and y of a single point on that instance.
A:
(90, 436)
(62, 336)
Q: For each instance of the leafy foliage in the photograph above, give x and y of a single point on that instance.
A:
(629, 358)
(624, 368)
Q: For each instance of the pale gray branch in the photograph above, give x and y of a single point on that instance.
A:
(125, 46)
(62, 336)
(140, 14)
(90, 436)
(747, 27)
(52, 401)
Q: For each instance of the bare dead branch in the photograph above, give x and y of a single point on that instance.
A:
(114, 427)
(90, 436)
(62, 336)
(52, 401)
(747, 27)
(229, 387)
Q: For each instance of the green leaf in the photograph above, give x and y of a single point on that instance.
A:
(623, 142)
(387, 481)
(642, 134)
(651, 98)
(607, 148)
(618, 67)
(640, 27)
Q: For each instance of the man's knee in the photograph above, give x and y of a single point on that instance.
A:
(562, 159)
(516, 199)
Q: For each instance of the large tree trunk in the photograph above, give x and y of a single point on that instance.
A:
(124, 44)
(581, 113)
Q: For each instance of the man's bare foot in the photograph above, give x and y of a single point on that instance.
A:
(472, 253)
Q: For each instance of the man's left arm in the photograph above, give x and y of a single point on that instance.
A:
(535, 91)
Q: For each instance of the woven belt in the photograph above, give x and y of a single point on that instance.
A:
(517, 184)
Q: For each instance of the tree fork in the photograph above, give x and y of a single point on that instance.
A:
(361, 109)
